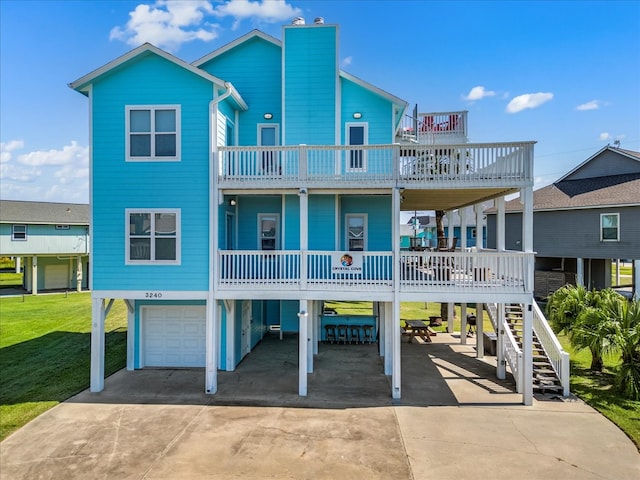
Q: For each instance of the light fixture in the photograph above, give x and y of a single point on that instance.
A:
(232, 202)
(357, 115)
(268, 116)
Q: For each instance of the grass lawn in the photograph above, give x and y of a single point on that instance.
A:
(45, 352)
(595, 389)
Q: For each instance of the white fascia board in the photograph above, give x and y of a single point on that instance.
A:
(82, 83)
(152, 294)
(234, 44)
(374, 89)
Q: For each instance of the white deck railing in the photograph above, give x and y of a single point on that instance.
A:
(436, 127)
(558, 357)
(315, 270)
(510, 164)
(484, 271)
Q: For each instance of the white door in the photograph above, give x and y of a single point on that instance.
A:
(56, 276)
(173, 336)
(246, 327)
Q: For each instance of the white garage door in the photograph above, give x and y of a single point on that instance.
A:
(173, 336)
(56, 276)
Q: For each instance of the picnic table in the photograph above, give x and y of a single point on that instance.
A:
(420, 328)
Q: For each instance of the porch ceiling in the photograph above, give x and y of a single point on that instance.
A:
(449, 199)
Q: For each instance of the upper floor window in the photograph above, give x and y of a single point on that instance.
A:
(153, 236)
(357, 135)
(153, 132)
(610, 227)
(269, 226)
(356, 232)
(18, 232)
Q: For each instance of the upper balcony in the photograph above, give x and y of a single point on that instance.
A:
(464, 165)
(435, 128)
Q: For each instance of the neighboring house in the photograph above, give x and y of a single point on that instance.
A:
(50, 241)
(242, 190)
(582, 222)
(470, 213)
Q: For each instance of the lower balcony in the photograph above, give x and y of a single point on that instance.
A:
(485, 271)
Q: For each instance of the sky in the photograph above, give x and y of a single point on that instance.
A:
(564, 74)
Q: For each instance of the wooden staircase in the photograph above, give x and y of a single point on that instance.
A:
(545, 379)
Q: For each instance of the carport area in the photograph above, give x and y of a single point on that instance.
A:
(159, 424)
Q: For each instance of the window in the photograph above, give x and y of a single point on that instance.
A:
(357, 135)
(19, 232)
(153, 236)
(609, 227)
(269, 225)
(153, 132)
(356, 232)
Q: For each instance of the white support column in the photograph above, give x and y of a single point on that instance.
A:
(97, 344)
(463, 323)
(230, 322)
(580, 271)
(34, 275)
(211, 339)
(635, 276)
(500, 224)
(18, 265)
(479, 226)
(310, 336)
(450, 227)
(479, 330)
(501, 368)
(527, 353)
(79, 274)
(617, 271)
(462, 213)
(317, 335)
(131, 336)
(303, 342)
(304, 235)
(450, 317)
(527, 219)
(388, 338)
(396, 384)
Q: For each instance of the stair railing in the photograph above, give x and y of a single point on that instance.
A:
(513, 352)
(557, 356)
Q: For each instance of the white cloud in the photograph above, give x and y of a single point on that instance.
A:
(346, 61)
(528, 100)
(478, 93)
(167, 24)
(7, 148)
(70, 154)
(604, 136)
(592, 105)
(170, 23)
(45, 175)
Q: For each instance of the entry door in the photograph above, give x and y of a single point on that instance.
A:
(268, 137)
(230, 232)
(357, 135)
(246, 327)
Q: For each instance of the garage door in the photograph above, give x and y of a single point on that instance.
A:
(173, 336)
(56, 276)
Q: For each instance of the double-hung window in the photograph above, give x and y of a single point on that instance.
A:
(609, 227)
(356, 232)
(19, 232)
(153, 132)
(153, 236)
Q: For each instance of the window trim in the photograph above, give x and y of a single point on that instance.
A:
(365, 134)
(278, 227)
(365, 232)
(13, 232)
(152, 212)
(617, 239)
(152, 157)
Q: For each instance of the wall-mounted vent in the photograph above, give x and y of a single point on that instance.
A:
(297, 21)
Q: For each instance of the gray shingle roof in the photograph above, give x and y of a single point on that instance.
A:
(13, 211)
(589, 192)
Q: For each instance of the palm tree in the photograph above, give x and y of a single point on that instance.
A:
(625, 336)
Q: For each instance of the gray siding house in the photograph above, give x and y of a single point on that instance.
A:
(582, 222)
(50, 241)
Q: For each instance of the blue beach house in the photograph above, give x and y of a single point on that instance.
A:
(242, 190)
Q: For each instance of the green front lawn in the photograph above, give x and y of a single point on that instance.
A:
(45, 349)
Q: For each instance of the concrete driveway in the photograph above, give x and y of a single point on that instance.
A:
(455, 421)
